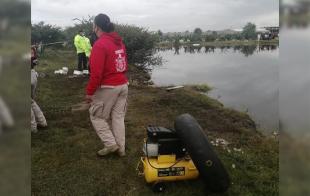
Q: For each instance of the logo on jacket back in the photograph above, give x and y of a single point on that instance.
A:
(120, 64)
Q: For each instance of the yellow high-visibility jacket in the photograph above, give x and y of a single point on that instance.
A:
(87, 46)
(79, 43)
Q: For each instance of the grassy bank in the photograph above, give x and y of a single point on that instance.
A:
(64, 160)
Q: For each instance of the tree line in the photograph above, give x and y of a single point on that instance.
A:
(197, 35)
(140, 43)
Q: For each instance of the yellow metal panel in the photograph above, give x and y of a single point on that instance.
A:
(159, 169)
(166, 159)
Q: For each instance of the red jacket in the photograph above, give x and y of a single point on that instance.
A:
(108, 62)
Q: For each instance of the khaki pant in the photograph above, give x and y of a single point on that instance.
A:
(37, 116)
(110, 104)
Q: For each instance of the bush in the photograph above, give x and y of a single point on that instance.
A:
(140, 43)
(46, 33)
(81, 24)
(140, 46)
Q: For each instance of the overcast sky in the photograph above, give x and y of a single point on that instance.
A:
(166, 15)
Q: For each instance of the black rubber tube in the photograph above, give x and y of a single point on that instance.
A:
(205, 159)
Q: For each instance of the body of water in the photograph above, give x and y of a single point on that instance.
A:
(243, 77)
(295, 81)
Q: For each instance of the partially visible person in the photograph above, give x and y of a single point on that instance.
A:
(34, 75)
(107, 89)
(93, 38)
(37, 116)
(79, 43)
(87, 49)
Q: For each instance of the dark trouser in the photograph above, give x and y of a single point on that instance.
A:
(87, 59)
(82, 61)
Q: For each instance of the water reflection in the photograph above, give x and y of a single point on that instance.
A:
(176, 47)
(192, 49)
(209, 49)
(243, 77)
(247, 50)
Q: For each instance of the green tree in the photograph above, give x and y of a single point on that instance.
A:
(140, 44)
(197, 34)
(198, 31)
(237, 36)
(249, 31)
(211, 37)
(85, 24)
(160, 33)
(46, 33)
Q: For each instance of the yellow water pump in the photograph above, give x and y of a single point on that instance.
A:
(181, 154)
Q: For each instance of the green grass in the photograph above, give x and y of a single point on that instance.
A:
(64, 160)
(202, 88)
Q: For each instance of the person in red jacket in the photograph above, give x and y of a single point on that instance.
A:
(107, 88)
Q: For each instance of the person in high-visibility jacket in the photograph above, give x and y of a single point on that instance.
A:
(79, 43)
(87, 49)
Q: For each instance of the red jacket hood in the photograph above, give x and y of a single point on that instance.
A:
(113, 36)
